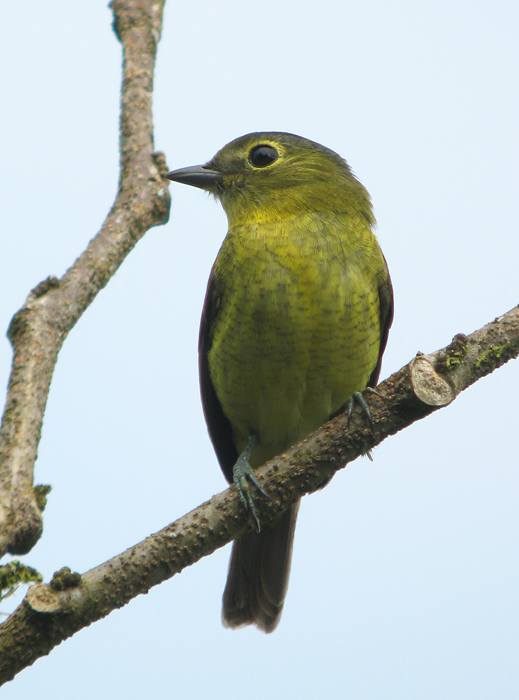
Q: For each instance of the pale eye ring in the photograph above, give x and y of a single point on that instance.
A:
(262, 155)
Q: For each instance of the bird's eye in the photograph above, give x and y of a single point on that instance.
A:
(262, 155)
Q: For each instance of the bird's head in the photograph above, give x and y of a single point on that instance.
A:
(273, 175)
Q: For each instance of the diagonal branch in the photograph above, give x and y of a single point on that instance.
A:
(39, 329)
(53, 612)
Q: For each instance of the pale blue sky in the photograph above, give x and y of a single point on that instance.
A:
(405, 572)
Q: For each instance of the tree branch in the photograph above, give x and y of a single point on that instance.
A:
(40, 327)
(53, 612)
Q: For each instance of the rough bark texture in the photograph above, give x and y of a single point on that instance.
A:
(52, 612)
(39, 329)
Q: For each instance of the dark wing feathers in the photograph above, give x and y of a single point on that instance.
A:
(385, 296)
(220, 430)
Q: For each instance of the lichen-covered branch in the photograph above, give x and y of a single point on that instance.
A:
(39, 329)
(52, 612)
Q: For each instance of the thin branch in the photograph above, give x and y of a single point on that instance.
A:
(39, 329)
(50, 613)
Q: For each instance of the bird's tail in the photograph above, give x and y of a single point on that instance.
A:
(258, 575)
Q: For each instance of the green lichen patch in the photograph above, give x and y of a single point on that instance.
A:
(487, 362)
(14, 574)
(453, 355)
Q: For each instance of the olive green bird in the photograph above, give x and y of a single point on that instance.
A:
(295, 321)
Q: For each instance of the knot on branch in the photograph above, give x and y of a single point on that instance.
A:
(23, 529)
(42, 599)
(43, 287)
(137, 14)
(428, 386)
(51, 598)
(453, 355)
(64, 578)
(19, 320)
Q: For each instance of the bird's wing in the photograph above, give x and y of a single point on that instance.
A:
(385, 296)
(218, 425)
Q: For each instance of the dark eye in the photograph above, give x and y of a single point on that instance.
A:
(261, 156)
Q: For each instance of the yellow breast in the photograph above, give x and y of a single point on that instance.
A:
(297, 329)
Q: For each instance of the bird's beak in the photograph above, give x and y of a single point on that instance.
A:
(197, 175)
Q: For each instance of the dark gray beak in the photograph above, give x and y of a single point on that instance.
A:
(197, 175)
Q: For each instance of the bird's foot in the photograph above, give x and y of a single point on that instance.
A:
(358, 398)
(243, 475)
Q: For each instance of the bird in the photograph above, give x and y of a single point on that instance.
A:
(295, 321)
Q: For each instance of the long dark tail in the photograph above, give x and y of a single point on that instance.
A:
(258, 575)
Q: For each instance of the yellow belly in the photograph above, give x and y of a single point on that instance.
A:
(297, 330)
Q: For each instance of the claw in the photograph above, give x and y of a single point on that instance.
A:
(357, 397)
(243, 475)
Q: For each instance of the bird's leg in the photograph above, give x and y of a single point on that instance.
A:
(242, 474)
(357, 397)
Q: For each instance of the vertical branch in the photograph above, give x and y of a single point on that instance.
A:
(39, 329)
